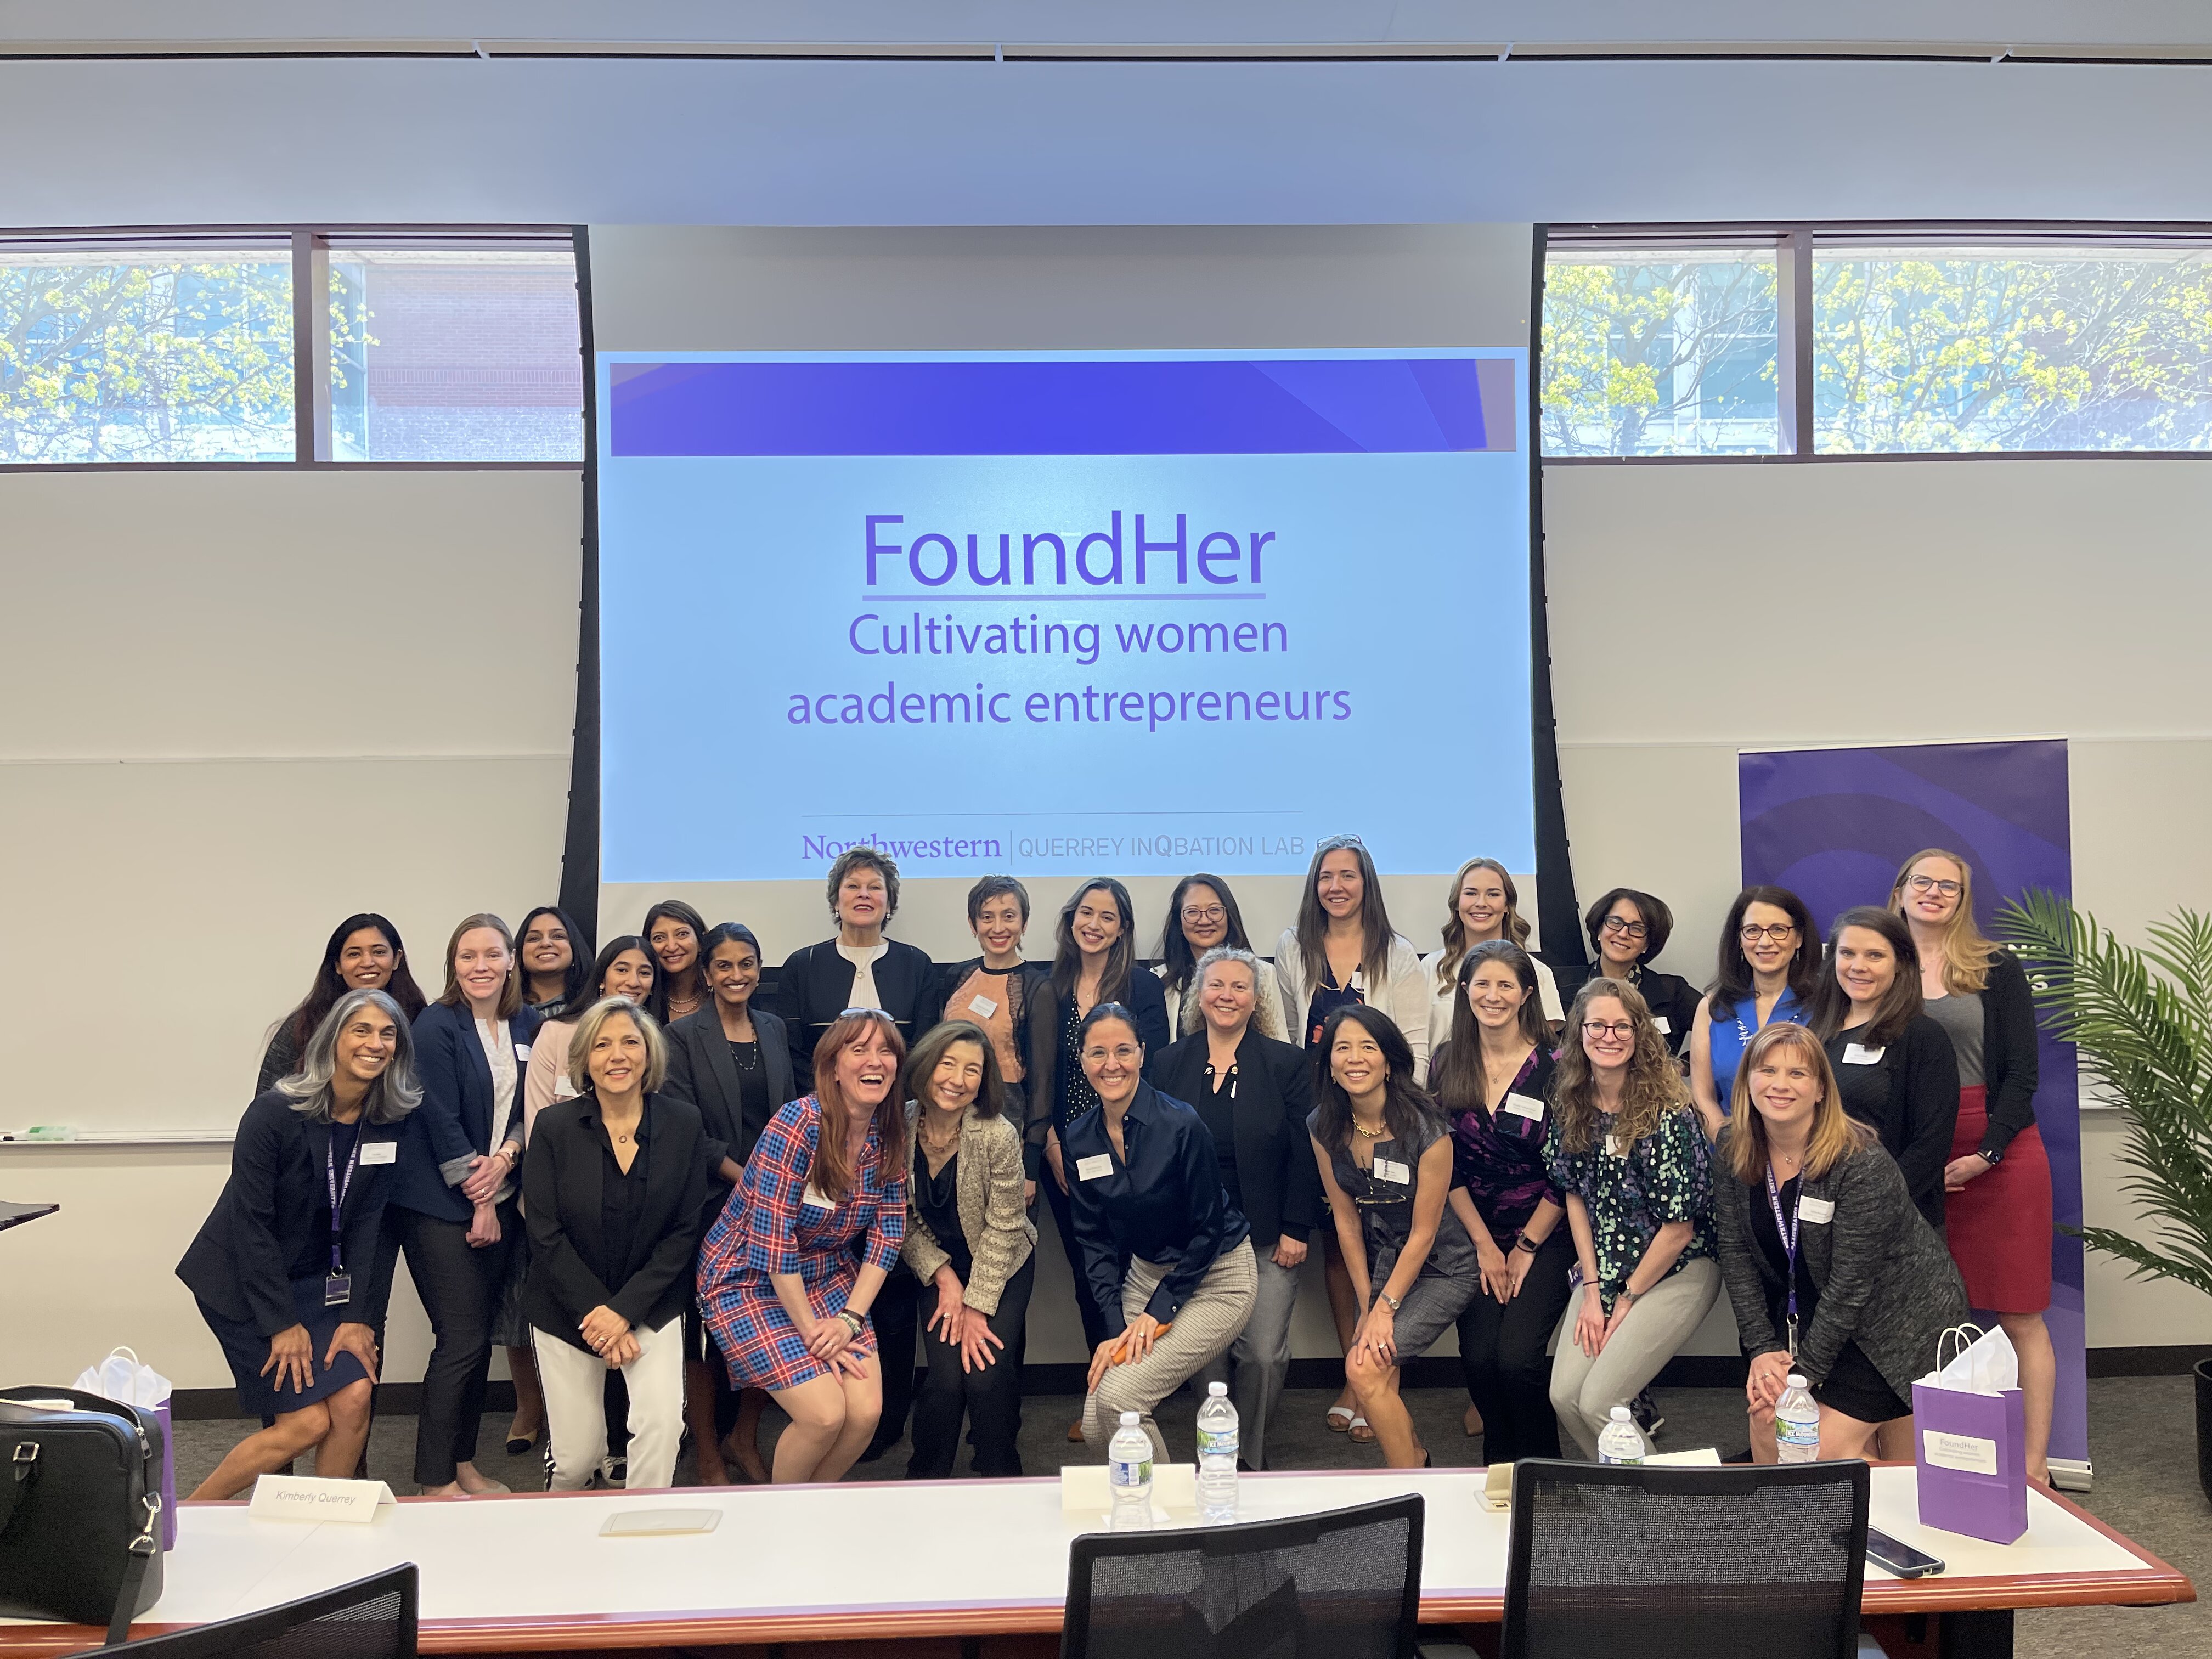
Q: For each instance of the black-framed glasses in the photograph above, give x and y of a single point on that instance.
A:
(1751, 933)
(1930, 884)
(1624, 929)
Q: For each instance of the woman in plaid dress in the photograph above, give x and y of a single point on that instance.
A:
(788, 1273)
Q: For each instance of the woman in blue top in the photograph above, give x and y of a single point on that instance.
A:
(1769, 966)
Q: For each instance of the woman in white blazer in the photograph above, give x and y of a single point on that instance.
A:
(1480, 904)
(1343, 952)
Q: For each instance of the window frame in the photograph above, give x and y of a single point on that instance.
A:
(1796, 242)
(310, 247)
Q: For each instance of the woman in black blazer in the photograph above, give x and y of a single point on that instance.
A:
(615, 1184)
(453, 1199)
(1626, 930)
(283, 1275)
(859, 968)
(1254, 1094)
(733, 1061)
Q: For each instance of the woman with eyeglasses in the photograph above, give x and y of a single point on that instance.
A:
(1996, 1188)
(1626, 1150)
(1203, 916)
(1482, 904)
(1626, 930)
(1166, 1259)
(1769, 965)
(1385, 1157)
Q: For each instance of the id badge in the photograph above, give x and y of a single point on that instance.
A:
(338, 1290)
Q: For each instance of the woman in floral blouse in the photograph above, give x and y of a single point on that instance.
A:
(1626, 1150)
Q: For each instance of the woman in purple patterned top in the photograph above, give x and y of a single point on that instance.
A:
(1491, 1078)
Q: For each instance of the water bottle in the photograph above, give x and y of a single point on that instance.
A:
(1622, 1442)
(1129, 1471)
(1217, 1454)
(1797, 1423)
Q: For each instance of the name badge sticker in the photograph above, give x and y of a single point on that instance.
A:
(1097, 1167)
(981, 1004)
(1524, 1106)
(1390, 1169)
(1617, 1145)
(380, 1151)
(815, 1198)
(521, 1051)
(1818, 1210)
(1660, 1021)
(1857, 1054)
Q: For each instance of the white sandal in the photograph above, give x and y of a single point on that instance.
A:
(1358, 1424)
(1344, 1412)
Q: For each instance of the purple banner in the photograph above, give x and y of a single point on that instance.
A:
(1833, 825)
(1119, 406)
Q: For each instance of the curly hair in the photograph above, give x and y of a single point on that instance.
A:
(1651, 1090)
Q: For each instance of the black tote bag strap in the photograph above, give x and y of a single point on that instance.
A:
(134, 1574)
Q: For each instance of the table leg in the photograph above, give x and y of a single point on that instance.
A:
(1982, 1633)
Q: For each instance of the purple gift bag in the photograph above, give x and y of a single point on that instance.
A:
(1972, 1457)
(120, 1377)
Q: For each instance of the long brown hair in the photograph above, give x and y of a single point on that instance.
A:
(1455, 933)
(832, 1173)
(1900, 1004)
(510, 996)
(1652, 1088)
(1967, 953)
(1121, 955)
(1733, 980)
(1458, 1079)
(1375, 932)
(1835, 1137)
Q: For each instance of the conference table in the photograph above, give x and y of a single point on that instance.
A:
(965, 1566)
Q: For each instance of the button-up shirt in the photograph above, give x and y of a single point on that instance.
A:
(1163, 1204)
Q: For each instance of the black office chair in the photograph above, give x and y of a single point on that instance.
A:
(372, 1618)
(1661, 1561)
(1345, 1584)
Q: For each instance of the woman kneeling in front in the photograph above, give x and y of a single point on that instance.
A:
(612, 1185)
(1825, 1255)
(282, 1268)
(1166, 1258)
(789, 1271)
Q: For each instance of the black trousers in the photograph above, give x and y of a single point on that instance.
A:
(460, 1287)
(1063, 1214)
(1501, 1350)
(991, 1399)
(894, 1316)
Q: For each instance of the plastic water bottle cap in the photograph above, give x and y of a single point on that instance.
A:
(1621, 1414)
(1795, 1381)
(1130, 1420)
(1218, 1390)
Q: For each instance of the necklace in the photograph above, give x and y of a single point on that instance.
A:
(944, 1143)
(1366, 1133)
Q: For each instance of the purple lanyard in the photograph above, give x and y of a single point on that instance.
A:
(338, 1193)
(1788, 1230)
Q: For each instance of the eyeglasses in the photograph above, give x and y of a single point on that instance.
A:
(1338, 843)
(1211, 913)
(1751, 933)
(849, 1012)
(1930, 884)
(1621, 1028)
(1625, 929)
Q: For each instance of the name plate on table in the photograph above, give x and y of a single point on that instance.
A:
(306, 1497)
(1085, 1491)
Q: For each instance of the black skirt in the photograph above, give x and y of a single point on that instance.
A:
(247, 1350)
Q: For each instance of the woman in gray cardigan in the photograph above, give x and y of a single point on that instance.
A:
(1825, 1255)
(968, 1236)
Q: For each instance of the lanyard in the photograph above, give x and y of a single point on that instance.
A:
(1789, 1233)
(338, 1193)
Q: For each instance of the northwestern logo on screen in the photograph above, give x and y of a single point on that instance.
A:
(1135, 551)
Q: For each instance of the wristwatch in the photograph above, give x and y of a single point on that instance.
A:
(1394, 1303)
(1525, 1242)
(1989, 1158)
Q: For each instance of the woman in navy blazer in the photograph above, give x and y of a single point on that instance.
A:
(452, 1202)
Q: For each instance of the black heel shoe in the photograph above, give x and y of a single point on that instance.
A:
(518, 1445)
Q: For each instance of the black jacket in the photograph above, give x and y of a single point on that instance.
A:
(267, 1223)
(815, 986)
(701, 1071)
(1910, 1097)
(1276, 1175)
(2009, 1064)
(563, 1187)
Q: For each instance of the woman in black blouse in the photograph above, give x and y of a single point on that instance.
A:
(613, 1182)
(733, 1061)
(671, 931)
(1893, 1064)
(1626, 930)
(1166, 1258)
(363, 953)
(555, 957)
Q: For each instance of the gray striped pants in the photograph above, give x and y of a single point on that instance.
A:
(1211, 1320)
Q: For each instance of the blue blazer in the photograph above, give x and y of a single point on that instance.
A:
(454, 1120)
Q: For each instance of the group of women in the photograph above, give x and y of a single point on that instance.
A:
(672, 1206)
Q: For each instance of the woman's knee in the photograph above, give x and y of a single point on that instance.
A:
(821, 1409)
(308, 1426)
(349, 1407)
(1365, 1374)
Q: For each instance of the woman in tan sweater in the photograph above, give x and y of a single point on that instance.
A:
(970, 1238)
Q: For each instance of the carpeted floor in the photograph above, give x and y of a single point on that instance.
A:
(2143, 1444)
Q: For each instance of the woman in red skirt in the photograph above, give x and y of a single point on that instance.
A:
(1996, 1205)
(787, 1275)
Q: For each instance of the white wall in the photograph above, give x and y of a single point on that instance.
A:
(1699, 610)
(235, 706)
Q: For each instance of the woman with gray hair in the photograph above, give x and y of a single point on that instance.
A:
(282, 1268)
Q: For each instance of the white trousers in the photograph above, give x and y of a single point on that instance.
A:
(576, 1382)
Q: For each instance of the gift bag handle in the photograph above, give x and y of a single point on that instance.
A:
(133, 1352)
(1967, 1335)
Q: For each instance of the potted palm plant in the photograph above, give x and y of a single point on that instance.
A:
(2141, 1020)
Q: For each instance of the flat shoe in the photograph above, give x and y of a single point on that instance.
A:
(1334, 1413)
(1075, 1433)
(1360, 1431)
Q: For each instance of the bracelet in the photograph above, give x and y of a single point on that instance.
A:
(1525, 1242)
(852, 1320)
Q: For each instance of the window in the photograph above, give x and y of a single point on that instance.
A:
(445, 354)
(179, 347)
(1660, 351)
(1840, 341)
(145, 354)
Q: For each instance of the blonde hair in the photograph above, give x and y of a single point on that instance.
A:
(1967, 953)
(1455, 930)
(1835, 1136)
(588, 1033)
(1652, 1089)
